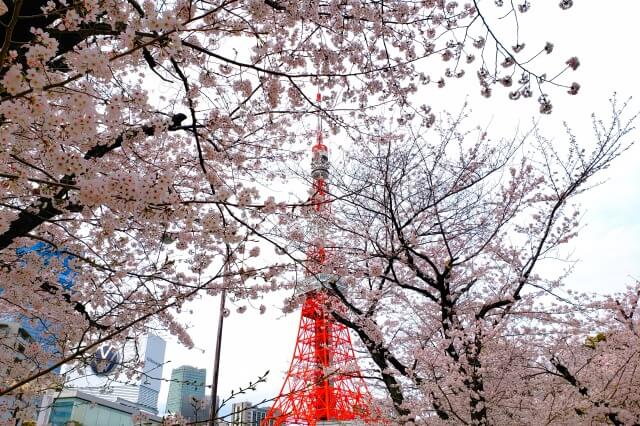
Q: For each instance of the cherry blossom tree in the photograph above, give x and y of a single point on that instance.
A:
(440, 234)
(596, 379)
(136, 139)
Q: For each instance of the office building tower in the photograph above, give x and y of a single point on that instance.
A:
(186, 393)
(103, 379)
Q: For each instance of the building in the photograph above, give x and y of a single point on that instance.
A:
(14, 340)
(207, 403)
(186, 393)
(102, 378)
(218, 416)
(246, 414)
(86, 409)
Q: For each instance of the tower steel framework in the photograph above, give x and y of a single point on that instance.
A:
(324, 384)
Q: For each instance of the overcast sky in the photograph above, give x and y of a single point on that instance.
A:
(604, 39)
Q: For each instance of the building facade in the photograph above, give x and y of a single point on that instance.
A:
(186, 393)
(103, 376)
(85, 409)
(246, 414)
(14, 340)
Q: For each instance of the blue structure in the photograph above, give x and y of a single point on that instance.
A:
(48, 253)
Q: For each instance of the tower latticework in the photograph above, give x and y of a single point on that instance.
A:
(324, 384)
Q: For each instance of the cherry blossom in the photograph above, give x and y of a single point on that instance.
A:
(138, 137)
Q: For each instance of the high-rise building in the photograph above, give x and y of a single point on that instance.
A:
(246, 414)
(186, 393)
(102, 378)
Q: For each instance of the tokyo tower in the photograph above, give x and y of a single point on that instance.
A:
(324, 385)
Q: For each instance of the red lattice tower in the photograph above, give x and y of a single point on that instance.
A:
(324, 384)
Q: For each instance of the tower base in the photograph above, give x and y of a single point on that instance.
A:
(324, 385)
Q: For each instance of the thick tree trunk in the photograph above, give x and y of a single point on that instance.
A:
(475, 383)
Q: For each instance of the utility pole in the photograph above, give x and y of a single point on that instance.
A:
(216, 359)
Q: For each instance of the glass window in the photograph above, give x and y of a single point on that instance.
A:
(61, 412)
